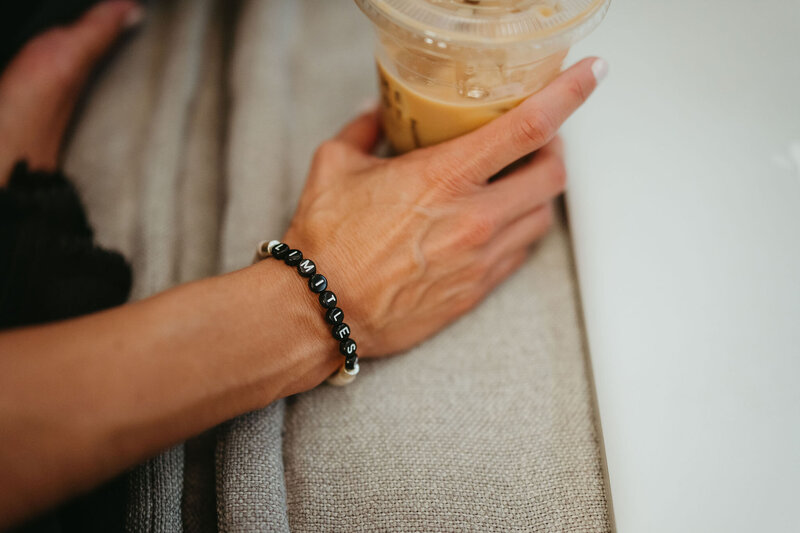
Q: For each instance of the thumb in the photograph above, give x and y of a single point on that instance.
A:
(364, 131)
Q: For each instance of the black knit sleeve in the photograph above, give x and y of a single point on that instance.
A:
(50, 267)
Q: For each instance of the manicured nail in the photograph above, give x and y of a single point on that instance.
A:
(367, 106)
(134, 18)
(600, 69)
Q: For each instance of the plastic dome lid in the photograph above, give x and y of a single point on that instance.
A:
(553, 23)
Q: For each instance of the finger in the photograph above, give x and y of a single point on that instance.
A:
(94, 33)
(535, 183)
(41, 85)
(522, 233)
(504, 268)
(526, 128)
(363, 132)
(555, 146)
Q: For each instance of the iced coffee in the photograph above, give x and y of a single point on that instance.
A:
(446, 67)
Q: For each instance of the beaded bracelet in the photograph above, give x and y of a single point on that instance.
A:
(327, 299)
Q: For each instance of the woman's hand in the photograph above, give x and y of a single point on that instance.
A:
(41, 85)
(413, 242)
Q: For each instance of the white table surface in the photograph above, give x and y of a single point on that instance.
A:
(685, 207)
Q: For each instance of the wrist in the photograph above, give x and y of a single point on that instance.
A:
(292, 342)
(353, 290)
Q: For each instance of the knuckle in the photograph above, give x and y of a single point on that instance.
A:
(534, 129)
(449, 183)
(446, 176)
(577, 90)
(475, 230)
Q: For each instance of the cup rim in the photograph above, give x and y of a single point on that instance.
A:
(435, 25)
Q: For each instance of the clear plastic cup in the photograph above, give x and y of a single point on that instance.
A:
(447, 67)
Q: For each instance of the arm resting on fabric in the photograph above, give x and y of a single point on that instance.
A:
(84, 399)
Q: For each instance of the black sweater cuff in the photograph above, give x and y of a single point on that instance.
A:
(50, 267)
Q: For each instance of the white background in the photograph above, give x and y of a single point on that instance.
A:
(685, 208)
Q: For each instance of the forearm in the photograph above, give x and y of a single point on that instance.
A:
(84, 399)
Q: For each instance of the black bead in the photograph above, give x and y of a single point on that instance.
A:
(293, 258)
(334, 316)
(307, 268)
(280, 250)
(317, 283)
(327, 299)
(340, 331)
(350, 363)
(347, 347)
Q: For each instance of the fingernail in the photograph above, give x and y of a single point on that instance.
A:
(367, 106)
(600, 69)
(133, 18)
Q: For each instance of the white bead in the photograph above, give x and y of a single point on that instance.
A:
(343, 377)
(261, 249)
(271, 245)
(264, 248)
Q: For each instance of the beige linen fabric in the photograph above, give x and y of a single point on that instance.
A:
(145, 156)
(194, 145)
(487, 427)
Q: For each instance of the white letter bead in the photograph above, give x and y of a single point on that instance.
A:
(272, 245)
